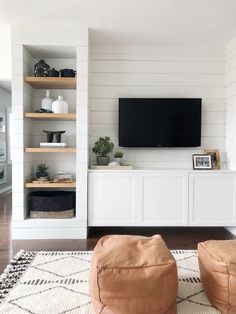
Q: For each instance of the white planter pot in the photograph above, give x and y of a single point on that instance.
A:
(119, 160)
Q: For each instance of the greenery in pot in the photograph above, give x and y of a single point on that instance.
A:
(118, 155)
(102, 148)
(42, 171)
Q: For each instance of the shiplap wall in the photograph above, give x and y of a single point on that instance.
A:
(126, 71)
(231, 103)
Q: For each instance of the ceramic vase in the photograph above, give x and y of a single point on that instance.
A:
(60, 105)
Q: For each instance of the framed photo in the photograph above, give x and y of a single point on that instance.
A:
(202, 162)
(3, 151)
(3, 174)
(215, 157)
(2, 122)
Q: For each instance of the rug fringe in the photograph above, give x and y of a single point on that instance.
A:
(14, 271)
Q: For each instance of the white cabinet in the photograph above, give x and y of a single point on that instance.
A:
(165, 199)
(212, 199)
(162, 198)
(112, 199)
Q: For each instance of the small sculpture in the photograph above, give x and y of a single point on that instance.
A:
(41, 69)
(50, 135)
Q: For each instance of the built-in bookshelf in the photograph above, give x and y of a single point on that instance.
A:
(69, 52)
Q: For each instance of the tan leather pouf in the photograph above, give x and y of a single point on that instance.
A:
(217, 262)
(133, 275)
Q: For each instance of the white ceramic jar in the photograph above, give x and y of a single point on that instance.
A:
(60, 105)
(47, 101)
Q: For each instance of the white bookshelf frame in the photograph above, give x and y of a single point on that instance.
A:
(37, 37)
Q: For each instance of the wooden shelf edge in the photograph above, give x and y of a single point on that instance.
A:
(50, 150)
(49, 185)
(50, 116)
(51, 82)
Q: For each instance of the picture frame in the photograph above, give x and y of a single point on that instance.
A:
(2, 122)
(202, 162)
(3, 153)
(215, 157)
(3, 174)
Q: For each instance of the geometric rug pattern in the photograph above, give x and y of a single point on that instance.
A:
(57, 283)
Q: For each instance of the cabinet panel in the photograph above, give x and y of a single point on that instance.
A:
(212, 199)
(112, 200)
(165, 200)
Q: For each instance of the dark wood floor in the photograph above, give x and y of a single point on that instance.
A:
(175, 238)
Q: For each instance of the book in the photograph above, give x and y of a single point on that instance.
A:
(53, 145)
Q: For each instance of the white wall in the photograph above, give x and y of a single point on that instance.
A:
(152, 71)
(5, 53)
(5, 102)
(231, 103)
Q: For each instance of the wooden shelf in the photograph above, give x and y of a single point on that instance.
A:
(51, 82)
(50, 150)
(50, 185)
(51, 116)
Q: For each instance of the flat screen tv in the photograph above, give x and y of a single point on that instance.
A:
(159, 122)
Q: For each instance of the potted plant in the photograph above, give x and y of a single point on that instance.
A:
(42, 171)
(102, 148)
(118, 155)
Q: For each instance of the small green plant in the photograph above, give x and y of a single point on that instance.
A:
(103, 146)
(118, 154)
(42, 167)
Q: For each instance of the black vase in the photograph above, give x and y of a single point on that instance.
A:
(41, 69)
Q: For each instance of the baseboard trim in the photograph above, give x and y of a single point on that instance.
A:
(6, 189)
(48, 233)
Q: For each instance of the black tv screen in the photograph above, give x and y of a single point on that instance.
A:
(159, 122)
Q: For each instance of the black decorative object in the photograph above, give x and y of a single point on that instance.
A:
(53, 73)
(67, 73)
(41, 69)
(41, 110)
(50, 135)
(58, 136)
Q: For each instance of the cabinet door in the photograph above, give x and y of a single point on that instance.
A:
(212, 199)
(165, 199)
(111, 199)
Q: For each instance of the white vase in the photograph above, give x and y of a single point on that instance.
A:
(60, 105)
(47, 101)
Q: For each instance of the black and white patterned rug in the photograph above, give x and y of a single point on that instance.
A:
(57, 283)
